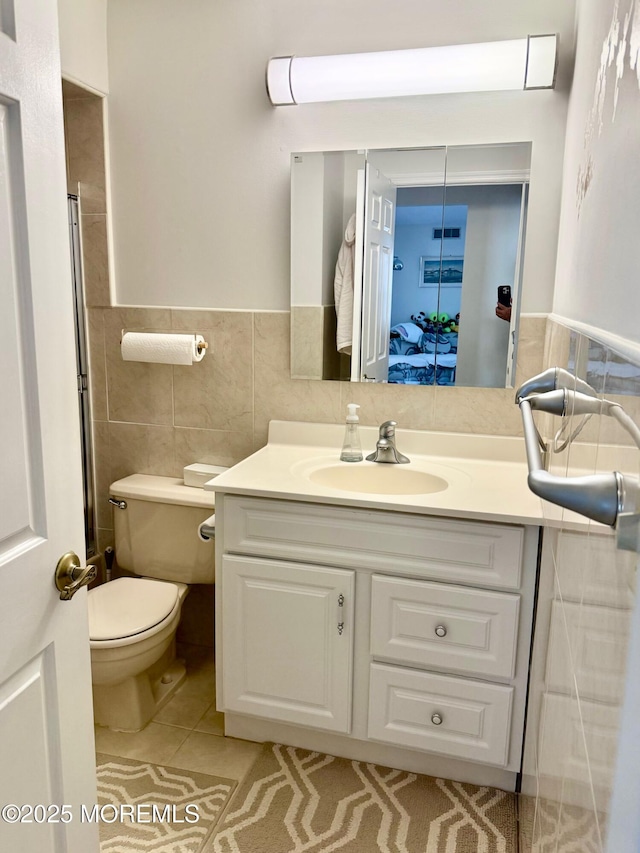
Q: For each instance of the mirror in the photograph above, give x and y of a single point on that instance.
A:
(397, 256)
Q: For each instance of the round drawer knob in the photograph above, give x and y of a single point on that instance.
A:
(436, 719)
(441, 631)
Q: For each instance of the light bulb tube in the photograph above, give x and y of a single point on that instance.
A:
(490, 66)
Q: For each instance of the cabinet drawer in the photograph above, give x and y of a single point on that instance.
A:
(405, 707)
(480, 554)
(448, 627)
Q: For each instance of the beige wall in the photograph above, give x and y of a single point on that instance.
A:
(200, 159)
(155, 419)
(588, 588)
(599, 250)
(86, 178)
(201, 191)
(83, 42)
(200, 186)
(587, 592)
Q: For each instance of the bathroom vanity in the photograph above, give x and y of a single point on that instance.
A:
(386, 627)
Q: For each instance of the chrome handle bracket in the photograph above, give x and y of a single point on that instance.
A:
(600, 497)
(628, 532)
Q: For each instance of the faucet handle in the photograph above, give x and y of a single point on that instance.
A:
(388, 429)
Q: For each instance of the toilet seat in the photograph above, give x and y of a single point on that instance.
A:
(126, 608)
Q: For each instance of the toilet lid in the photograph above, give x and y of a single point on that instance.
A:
(128, 606)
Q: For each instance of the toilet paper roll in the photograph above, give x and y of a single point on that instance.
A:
(161, 348)
(207, 528)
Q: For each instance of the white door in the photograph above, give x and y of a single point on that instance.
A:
(514, 326)
(287, 642)
(46, 737)
(379, 232)
(356, 334)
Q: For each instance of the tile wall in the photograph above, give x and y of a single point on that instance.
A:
(587, 593)
(152, 418)
(155, 419)
(84, 138)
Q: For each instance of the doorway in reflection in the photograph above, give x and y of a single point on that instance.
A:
(426, 289)
(467, 206)
(454, 257)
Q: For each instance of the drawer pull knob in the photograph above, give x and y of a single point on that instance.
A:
(436, 719)
(441, 631)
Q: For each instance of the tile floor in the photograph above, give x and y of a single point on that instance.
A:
(188, 733)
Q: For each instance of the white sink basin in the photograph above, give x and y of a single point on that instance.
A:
(377, 478)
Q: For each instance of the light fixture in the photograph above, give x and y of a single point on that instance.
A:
(527, 63)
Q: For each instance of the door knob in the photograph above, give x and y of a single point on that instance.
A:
(70, 575)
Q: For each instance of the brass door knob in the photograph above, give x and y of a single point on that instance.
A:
(70, 576)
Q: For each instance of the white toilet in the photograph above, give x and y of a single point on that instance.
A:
(133, 620)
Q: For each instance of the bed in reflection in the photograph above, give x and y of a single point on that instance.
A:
(418, 357)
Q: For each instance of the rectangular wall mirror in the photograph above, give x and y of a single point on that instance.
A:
(397, 256)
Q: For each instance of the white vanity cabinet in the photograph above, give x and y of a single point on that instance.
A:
(385, 636)
(288, 636)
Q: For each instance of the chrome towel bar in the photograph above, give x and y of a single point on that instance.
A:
(207, 532)
(601, 497)
(207, 529)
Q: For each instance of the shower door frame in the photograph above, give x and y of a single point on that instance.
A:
(82, 359)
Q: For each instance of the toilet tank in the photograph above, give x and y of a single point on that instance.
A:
(157, 534)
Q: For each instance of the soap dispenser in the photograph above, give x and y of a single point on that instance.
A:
(351, 447)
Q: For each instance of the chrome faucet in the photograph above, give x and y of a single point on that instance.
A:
(386, 450)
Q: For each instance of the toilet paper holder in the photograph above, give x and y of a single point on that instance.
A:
(173, 347)
(200, 345)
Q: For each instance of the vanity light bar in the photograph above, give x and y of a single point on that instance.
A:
(527, 63)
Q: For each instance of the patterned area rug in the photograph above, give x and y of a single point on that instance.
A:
(296, 801)
(129, 790)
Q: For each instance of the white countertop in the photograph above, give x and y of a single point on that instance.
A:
(486, 475)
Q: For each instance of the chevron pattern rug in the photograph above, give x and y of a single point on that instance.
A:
(296, 801)
(136, 787)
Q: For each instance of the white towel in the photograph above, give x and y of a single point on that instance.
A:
(343, 288)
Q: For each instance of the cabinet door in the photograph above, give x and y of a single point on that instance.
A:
(287, 642)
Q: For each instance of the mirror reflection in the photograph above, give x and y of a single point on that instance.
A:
(406, 264)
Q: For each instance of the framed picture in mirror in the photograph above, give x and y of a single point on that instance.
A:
(441, 272)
